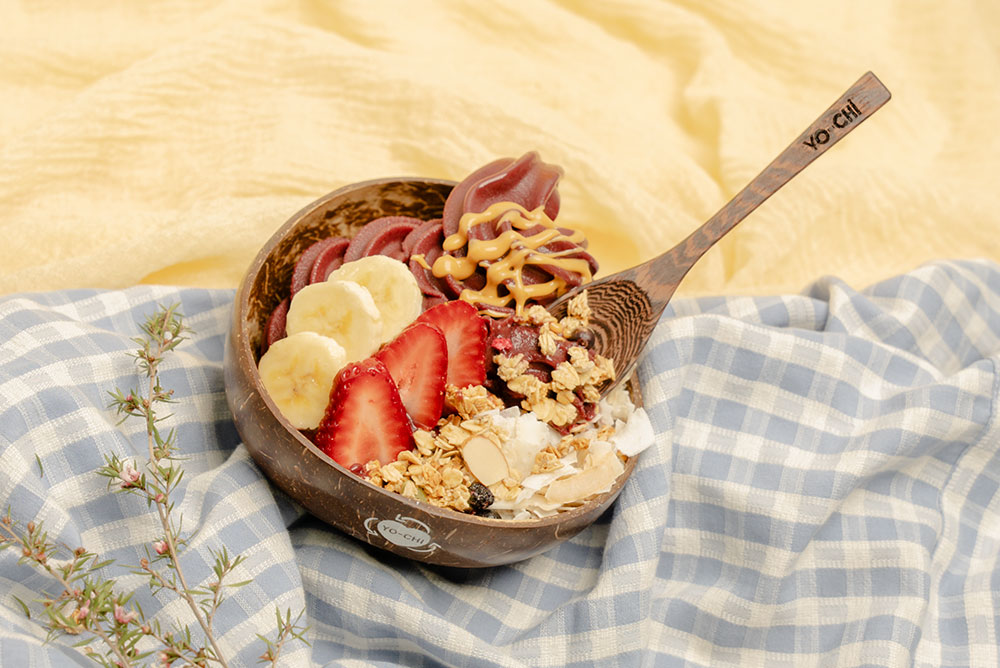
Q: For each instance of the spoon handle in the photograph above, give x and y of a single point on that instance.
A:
(661, 275)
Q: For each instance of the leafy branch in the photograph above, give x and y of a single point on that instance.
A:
(88, 604)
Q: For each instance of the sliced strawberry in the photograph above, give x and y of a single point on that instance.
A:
(417, 359)
(365, 418)
(465, 333)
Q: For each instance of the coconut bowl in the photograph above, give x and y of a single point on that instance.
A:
(386, 520)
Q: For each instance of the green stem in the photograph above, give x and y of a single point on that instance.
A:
(162, 506)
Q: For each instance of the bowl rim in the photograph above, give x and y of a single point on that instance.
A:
(246, 355)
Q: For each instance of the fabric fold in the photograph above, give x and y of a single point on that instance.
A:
(823, 490)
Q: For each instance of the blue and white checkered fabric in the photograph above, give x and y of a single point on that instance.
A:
(823, 492)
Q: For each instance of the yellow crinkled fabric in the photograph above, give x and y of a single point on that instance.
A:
(166, 141)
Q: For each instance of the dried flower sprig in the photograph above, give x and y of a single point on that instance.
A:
(88, 603)
(288, 629)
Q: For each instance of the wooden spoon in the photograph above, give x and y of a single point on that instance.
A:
(626, 306)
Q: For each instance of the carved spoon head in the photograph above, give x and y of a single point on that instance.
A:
(622, 319)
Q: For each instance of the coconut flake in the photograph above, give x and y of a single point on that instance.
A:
(596, 478)
(529, 436)
(538, 481)
(530, 428)
(635, 435)
(616, 406)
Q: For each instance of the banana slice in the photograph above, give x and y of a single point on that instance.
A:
(391, 285)
(342, 310)
(298, 372)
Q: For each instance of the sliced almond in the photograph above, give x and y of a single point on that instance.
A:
(485, 460)
(588, 482)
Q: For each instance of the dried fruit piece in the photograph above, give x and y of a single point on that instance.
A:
(365, 418)
(417, 360)
(465, 333)
(480, 498)
(583, 336)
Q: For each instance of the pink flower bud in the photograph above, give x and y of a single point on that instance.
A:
(128, 475)
(160, 546)
(123, 617)
(81, 613)
(159, 497)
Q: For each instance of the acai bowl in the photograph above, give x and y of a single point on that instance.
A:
(393, 433)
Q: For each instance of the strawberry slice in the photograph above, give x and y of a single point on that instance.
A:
(465, 334)
(417, 359)
(365, 418)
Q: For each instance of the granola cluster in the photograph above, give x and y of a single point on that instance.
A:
(471, 401)
(537, 452)
(434, 478)
(573, 386)
(550, 457)
(435, 471)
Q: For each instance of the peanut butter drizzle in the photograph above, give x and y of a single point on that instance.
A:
(421, 260)
(505, 256)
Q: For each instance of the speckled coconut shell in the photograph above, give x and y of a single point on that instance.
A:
(386, 520)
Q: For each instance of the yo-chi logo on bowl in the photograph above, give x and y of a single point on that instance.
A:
(403, 531)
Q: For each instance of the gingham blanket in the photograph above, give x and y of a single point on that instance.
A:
(822, 492)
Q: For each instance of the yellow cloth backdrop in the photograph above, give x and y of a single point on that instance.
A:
(166, 141)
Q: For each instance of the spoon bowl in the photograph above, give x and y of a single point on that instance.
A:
(626, 306)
